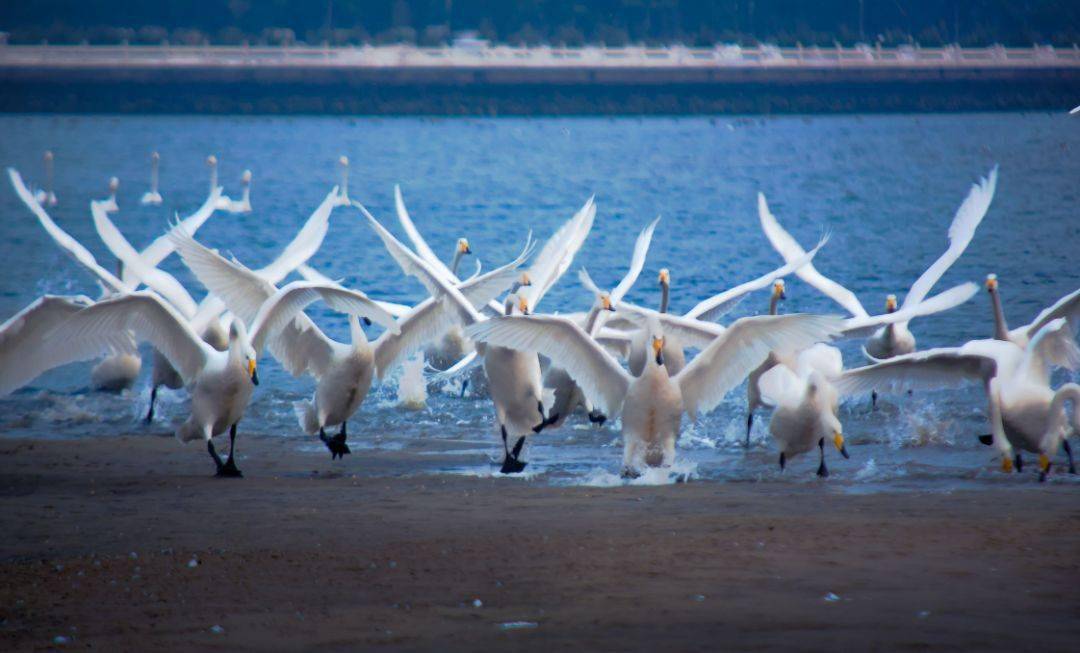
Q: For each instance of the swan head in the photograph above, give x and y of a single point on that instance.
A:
(114, 184)
(463, 246)
(778, 289)
(991, 283)
(154, 156)
(211, 160)
(246, 177)
(664, 278)
(525, 279)
(343, 161)
(605, 302)
(48, 156)
(890, 304)
(238, 342)
(523, 304)
(838, 442)
(658, 349)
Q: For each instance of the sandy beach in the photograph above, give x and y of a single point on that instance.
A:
(126, 543)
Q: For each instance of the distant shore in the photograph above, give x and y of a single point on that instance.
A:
(127, 543)
(416, 81)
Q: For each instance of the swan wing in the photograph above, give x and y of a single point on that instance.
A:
(241, 289)
(419, 244)
(780, 385)
(158, 280)
(425, 323)
(719, 305)
(788, 248)
(162, 246)
(306, 242)
(558, 253)
(743, 346)
(932, 369)
(1052, 346)
(600, 377)
(691, 333)
(24, 352)
(1067, 307)
(637, 262)
(860, 327)
(961, 231)
(311, 274)
(481, 289)
(74, 249)
(93, 330)
(414, 266)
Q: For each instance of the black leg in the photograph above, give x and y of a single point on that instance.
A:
(153, 397)
(783, 461)
(1019, 462)
(511, 462)
(749, 425)
(822, 470)
(544, 421)
(464, 386)
(1068, 453)
(215, 456)
(228, 470)
(596, 417)
(873, 400)
(335, 444)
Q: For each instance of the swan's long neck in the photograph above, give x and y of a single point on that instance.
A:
(49, 175)
(154, 175)
(508, 308)
(1001, 330)
(457, 260)
(344, 181)
(246, 197)
(591, 318)
(213, 177)
(665, 295)
(774, 303)
(356, 332)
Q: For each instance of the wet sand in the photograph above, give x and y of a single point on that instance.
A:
(127, 543)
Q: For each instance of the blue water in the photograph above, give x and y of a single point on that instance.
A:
(885, 187)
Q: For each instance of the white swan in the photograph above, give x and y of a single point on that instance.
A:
(1025, 413)
(109, 204)
(23, 356)
(152, 197)
(47, 196)
(343, 197)
(652, 404)
(896, 338)
(224, 203)
(1067, 307)
(674, 355)
(220, 382)
(805, 404)
(343, 372)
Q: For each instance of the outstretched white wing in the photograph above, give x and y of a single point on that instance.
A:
(945, 367)
(558, 253)
(788, 248)
(93, 330)
(311, 274)
(961, 231)
(156, 279)
(422, 249)
(691, 333)
(741, 348)
(1052, 346)
(24, 349)
(160, 249)
(1067, 307)
(603, 380)
(859, 327)
(74, 249)
(637, 262)
(719, 305)
(286, 304)
(306, 242)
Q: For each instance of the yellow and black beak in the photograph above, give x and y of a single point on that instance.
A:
(605, 303)
(525, 280)
(463, 246)
(838, 441)
(523, 305)
(252, 372)
(658, 350)
(778, 290)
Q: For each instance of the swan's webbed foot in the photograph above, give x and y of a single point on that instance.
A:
(544, 421)
(986, 439)
(596, 417)
(229, 470)
(335, 444)
(629, 473)
(512, 463)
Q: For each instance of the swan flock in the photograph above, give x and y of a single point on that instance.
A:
(645, 368)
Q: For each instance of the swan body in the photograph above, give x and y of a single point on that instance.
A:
(152, 197)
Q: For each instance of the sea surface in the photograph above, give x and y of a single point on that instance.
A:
(884, 187)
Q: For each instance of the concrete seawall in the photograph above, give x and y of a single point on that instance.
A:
(415, 81)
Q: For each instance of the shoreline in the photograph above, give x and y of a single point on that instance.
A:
(302, 553)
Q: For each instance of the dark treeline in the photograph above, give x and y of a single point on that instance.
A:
(568, 22)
